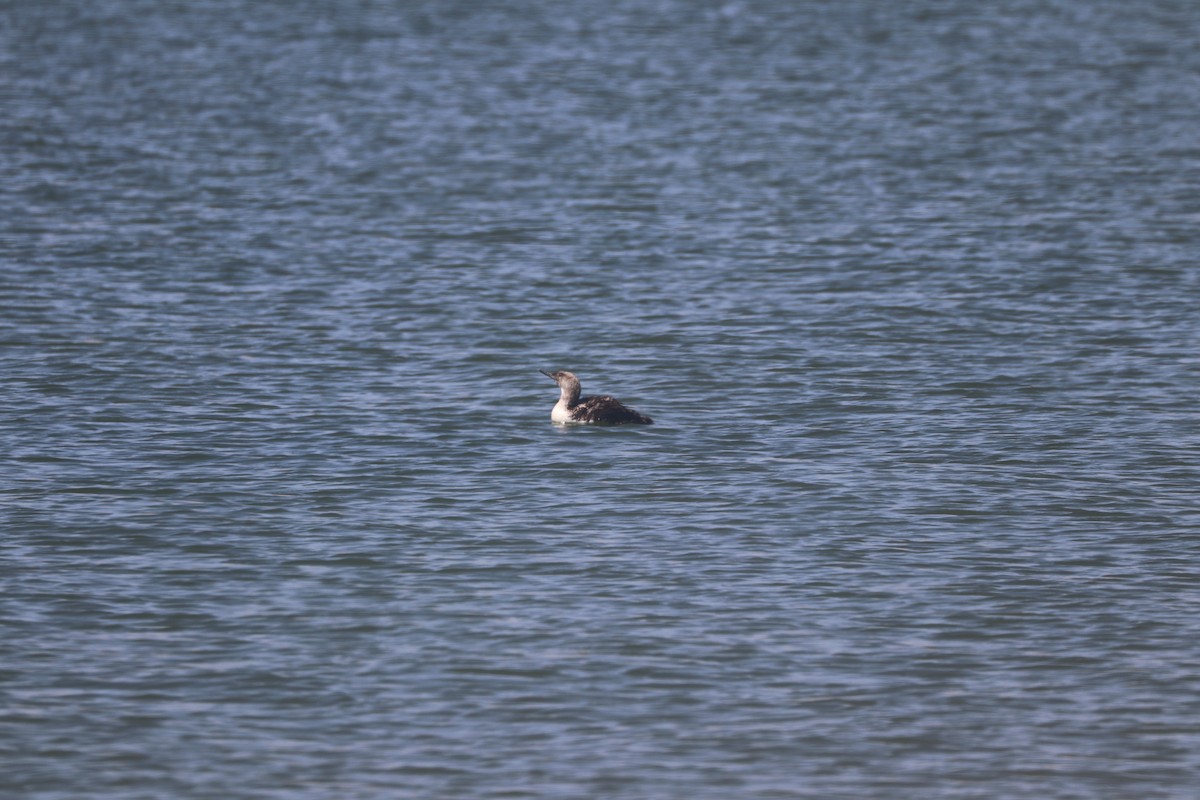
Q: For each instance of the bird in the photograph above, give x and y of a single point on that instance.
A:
(599, 410)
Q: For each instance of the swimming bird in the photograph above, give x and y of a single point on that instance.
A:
(601, 410)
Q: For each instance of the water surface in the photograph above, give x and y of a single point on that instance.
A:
(910, 292)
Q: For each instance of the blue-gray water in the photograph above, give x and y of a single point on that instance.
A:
(912, 291)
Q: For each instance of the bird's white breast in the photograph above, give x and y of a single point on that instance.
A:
(560, 413)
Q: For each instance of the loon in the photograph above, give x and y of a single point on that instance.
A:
(602, 409)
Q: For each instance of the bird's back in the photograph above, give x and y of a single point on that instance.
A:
(607, 410)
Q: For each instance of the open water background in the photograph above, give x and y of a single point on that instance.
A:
(912, 291)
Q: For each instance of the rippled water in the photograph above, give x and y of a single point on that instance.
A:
(910, 290)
